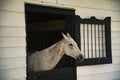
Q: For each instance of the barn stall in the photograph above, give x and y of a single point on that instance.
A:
(14, 35)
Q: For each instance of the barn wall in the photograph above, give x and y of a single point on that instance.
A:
(12, 40)
(100, 9)
(13, 44)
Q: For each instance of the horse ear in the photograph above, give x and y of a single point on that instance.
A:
(68, 35)
(64, 36)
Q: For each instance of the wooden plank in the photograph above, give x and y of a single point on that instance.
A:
(12, 5)
(12, 41)
(12, 31)
(116, 46)
(12, 52)
(116, 53)
(115, 34)
(101, 76)
(11, 63)
(40, 1)
(116, 60)
(21, 79)
(97, 69)
(115, 40)
(13, 74)
(12, 19)
(94, 4)
(100, 14)
(115, 26)
(47, 25)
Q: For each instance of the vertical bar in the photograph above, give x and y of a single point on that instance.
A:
(95, 39)
(91, 42)
(99, 39)
(102, 33)
(84, 38)
(88, 39)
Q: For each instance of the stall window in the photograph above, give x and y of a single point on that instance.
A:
(94, 38)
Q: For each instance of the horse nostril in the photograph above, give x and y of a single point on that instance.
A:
(80, 58)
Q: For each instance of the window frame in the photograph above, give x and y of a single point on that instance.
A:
(93, 20)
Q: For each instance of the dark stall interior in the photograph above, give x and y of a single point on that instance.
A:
(43, 29)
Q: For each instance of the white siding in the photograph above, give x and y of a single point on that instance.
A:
(100, 9)
(13, 44)
(12, 40)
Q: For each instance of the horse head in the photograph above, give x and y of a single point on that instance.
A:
(70, 48)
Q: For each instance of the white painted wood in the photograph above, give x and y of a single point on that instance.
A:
(12, 5)
(116, 53)
(116, 60)
(12, 41)
(115, 40)
(95, 4)
(97, 69)
(21, 79)
(115, 26)
(12, 19)
(41, 1)
(12, 31)
(116, 46)
(13, 74)
(11, 63)
(115, 34)
(101, 76)
(100, 14)
(12, 52)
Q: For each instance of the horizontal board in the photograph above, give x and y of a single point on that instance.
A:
(12, 31)
(115, 53)
(21, 79)
(12, 52)
(13, 74)
(41, 1)
(116, 60)
(11, 63)
(100, 14)
(101, 76)
(115, 40)
(115, 26)
(115, 34)
(12, 19)
(105, 5)
(12, 5)
(47, 25)
(116, 46)
(12, 41)
(97, 69)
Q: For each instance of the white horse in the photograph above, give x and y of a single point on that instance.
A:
(48, 58)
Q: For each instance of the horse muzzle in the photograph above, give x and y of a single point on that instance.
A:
(80, 58)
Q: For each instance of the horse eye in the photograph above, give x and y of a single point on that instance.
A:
(70, 44)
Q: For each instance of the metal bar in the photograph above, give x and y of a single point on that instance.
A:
(102, 33)
(84, 38)
(91, 42)
(99, 39)
(88, 39)
(95, 39)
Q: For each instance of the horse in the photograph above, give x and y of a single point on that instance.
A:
(48, 58)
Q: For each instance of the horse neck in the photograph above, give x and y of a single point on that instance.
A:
(58, 47)
(56, 51)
